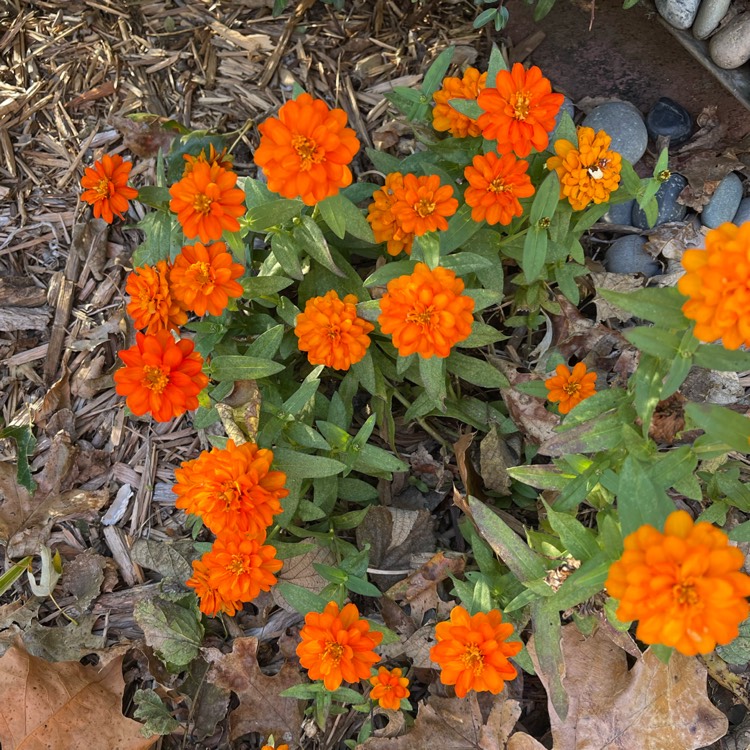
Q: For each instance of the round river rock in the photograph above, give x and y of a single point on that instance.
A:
(626, 255)
(709, 15)
(730, 47)
(678, 13)
(624, 123)
(724, 202)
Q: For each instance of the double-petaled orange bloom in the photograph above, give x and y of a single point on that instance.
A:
(587, 173)
(717, 284)
(275, 747)
(304, 152)
(426, 312)
(337, 646)
(444, 116)
(384, 225)
(685, 586)
(472, 651)
(519, 112)
(569, 388)
(422, 205)
(232, 488)
(211, 600)
(152, 305)
(389, 688)
(161, 376)
(207, 202)
(107, 187)
(495, 185)
(203, 279)
(331, 333)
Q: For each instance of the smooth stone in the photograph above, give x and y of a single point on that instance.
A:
(743, 212)
(669, 208)
(620, 213)
(678, 13)
(668, 118)
(567, 106)
(626, 255)
(730, 47)
(709, 15)
(724, 202)
(624, 123)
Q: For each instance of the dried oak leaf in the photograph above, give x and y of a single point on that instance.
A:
(653, 705)
(64, 705)
(261, 709)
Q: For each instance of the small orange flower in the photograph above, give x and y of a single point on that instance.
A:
(423, 204)
(161, 376)
(231, 488)
(587, 173)
(107, 187)
(223, 159)
(207, 202)
(444, 117)
(304, 152)
(274, 746)
(519, 113)
(381, 218)
(570, 388)
(426, 312)
(331, 333)
(389, 688)
(495, 185)
(203, 278)
(152, 305)
(684, 586)
(472, 652)
(212, 601)
(717, 284)
(337, 646)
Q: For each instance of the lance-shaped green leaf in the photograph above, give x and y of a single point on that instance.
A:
(722, 424)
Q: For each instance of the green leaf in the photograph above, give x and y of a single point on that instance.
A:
(476, 371)
(287, 252)
(301, 599)
(584, 583)
(151, 710)
(630, 180)
(25, 442)
(546, 199)
(566, 129)
(738, 651)
(721, 424)
(311, 239)
(383, 162)
(640, 500)
(264, 286)
(660, 306)
(578, 540)
(741, 532)
(360, 586)
(534, 253)
(432, 373)
(153, 196)
(481, 335)
(305, 465)
(237, 367)
(274, 213)
(657, 342)
(13, 573)
(389, 271)
(496, 64)
(267, 344)
(715, 357)
(468, 107)
(343, 216)
(461, 228)
(594, 435)
(547, 637)
(162, 237)
(464, 263)
(433, 78)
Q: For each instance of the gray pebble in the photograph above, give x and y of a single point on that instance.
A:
(678, 13)
(709, 15)
(669, 208)
(620, 213)
(743, 212)
(730, 47)
(624, 123)
(626, 255)
(724, 202)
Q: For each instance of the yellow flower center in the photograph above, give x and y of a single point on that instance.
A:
(424, 207)
(685, 593)
(103, 188)
(572, 388)
(421, 317)
(202, 204)
(154, 378)
(333, 652)
(498, 186)
(202, 273)
(520, 102)
(473, 659)
(308, 151)
(237, 565)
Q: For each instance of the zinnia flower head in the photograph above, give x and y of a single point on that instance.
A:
(337, 646)
(161, 376)
(232, 488)
(304, 152)
(472, 652)
(684, 585)
(152, 305)
(204, 278)
(717, 284)
(107, 187)
(426, 312)
(519, 112)
(207, 202)
(331, 333)
(587, 173)
(274, 746)
(211, 600)
(569, 388)
(495, 185)
(223, 159)
(389, 688)
(384, 225)
(422, 205)
(444, 117)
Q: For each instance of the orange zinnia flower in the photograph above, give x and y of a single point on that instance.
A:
(495, 185)
(274, 746)
(231, 488)
(717, 284)
(381, 218)
(107, 188)
(520, 111)
(389, 688)
(337, 646)
(203, 278)
(472, 652)
(331, 333)
(570, 388)
(212, 601)
(152, 306)
(207, 202)
(423, 204)
(426, 312)
(587, 173)
(161, 376)
(222, 159)
(444, 117)
(304, 152)
(684, 586)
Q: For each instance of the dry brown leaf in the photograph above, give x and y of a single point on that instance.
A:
(64, 705)
(261, 707)
(495, 458)
(704, 170)
(653, 705)
(617, 282)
